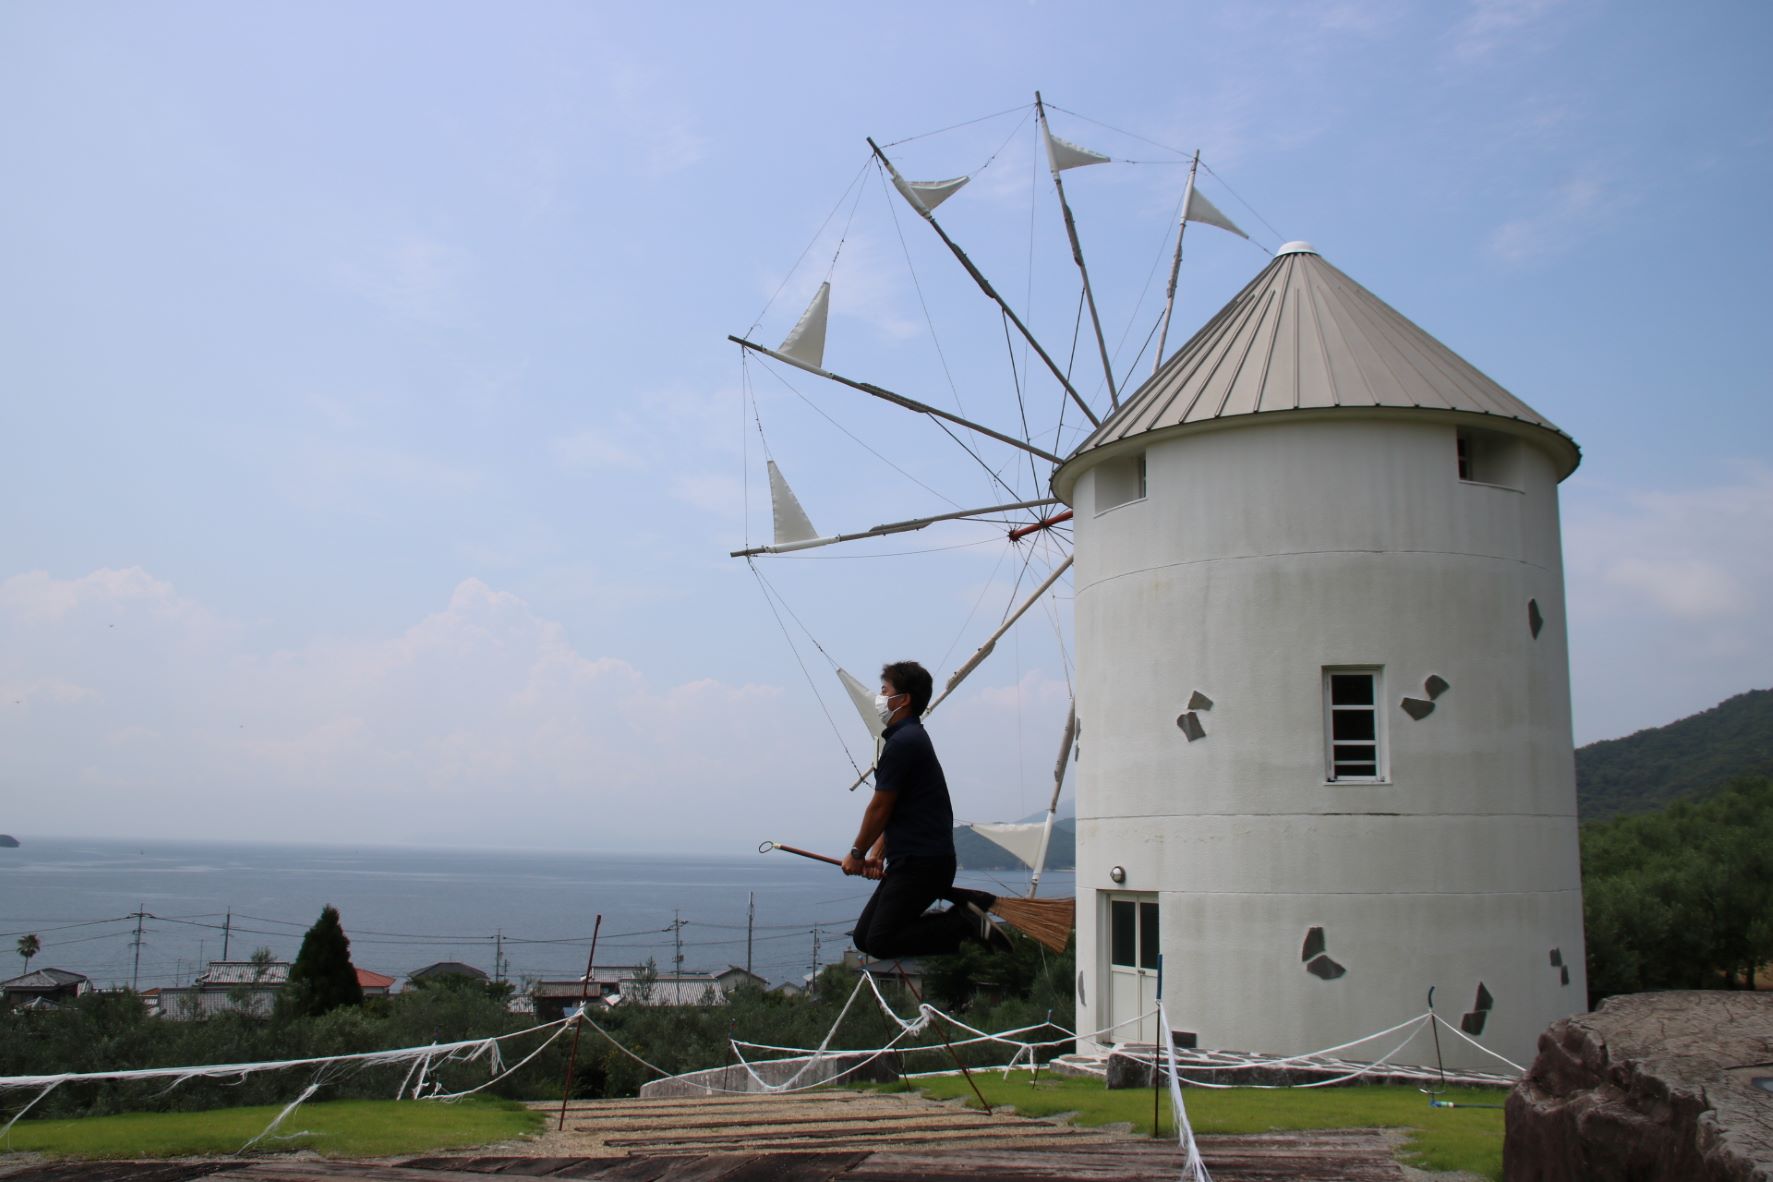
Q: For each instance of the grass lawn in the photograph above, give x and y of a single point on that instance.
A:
(340, 1128)
(1439, 1138)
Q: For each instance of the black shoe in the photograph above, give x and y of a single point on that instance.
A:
(962, 897)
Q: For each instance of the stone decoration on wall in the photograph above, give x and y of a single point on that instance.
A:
(1473, 1021)
(1557, 962)
(1535, 621)
(1317, 959)
(1189, 720)
(1419, 708)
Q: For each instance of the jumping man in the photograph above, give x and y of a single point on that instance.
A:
(907, 838)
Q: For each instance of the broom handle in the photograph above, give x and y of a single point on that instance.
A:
(789, 849)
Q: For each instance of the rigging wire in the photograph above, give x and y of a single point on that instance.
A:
(747, 400)
(917, 286)
(1278, 235)
(1021, 405)
(1052, 106)
(792, 389)
(764, 586)
(893, 212)
(1179, 152)
(845, 236)
(1156, 262)
(984, 589)
(957, 126)
(894, 554)
(764, 311)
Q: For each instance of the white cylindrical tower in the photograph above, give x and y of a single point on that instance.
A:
(1325, 759)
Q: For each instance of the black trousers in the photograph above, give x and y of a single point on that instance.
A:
(896, 922)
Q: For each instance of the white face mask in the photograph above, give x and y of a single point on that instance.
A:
(883, 707)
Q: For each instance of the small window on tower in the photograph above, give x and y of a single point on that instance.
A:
(1119, 481)
(1487, 457)
(1353, 740)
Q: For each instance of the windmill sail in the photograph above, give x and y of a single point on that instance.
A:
(926, 195)
(864, 702)
(1021, 838)
(1063, 154)
(1207, 214)
(791, 524)
(806, 343)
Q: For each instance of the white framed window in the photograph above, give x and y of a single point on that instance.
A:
(1354, 726)
(1119, 481)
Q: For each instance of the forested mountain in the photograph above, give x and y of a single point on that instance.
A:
(1691, 758)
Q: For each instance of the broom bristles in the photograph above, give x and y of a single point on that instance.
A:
(1048, 921)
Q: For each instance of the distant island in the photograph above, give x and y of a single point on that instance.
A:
(8, 842)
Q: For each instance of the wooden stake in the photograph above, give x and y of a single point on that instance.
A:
(572, 1059)
(965, 1074)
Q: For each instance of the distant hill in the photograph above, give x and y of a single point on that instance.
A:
(975, 853)
(1692, 757)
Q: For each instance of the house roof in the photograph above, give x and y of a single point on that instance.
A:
(447, 968)
(43, 979)
(369, 980)
(228, 973)
(1302, 337)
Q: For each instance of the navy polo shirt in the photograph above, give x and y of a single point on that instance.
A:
(922, 824)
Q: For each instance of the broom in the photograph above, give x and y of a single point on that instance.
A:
(1046, 921)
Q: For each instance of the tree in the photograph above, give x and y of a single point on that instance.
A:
(28, 946)
(1681, 899)
(323, 977)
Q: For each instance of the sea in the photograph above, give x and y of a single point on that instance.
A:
(146, 914)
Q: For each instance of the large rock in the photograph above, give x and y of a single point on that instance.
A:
(1651, 1086)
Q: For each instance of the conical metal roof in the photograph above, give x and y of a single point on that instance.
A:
(1303, 337)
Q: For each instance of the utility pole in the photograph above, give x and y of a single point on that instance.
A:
(135, 978)
(815, 976)
(227, 931)
(750, 926)
(677, 943)
(499, 955)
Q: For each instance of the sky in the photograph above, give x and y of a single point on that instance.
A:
(372, 446)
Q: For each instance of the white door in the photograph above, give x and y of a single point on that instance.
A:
(1132, 948)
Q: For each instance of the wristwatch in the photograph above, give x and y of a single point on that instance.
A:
(856, 853)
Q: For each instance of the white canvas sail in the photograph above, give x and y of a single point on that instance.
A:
(1063, 154)
(863, 698)
(791, 524)
(926, 195)
(1205, 212)
(1021, 838)
(806, 344)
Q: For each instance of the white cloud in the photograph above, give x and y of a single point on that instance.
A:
(1492, 25)
(358, 476)
(1690, 588)
(1550, 223)
(483, 721)
(1670, 595)
(45, 691)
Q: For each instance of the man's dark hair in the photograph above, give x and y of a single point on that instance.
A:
(908, 677)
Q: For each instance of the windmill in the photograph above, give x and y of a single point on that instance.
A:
(1321, 674)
